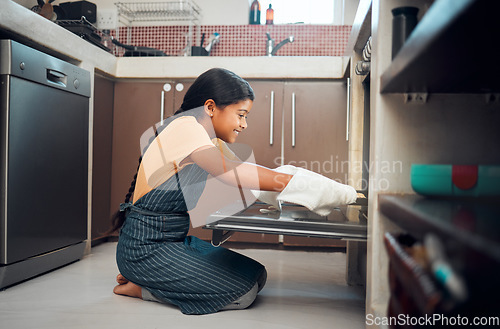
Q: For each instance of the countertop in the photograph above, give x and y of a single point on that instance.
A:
(38, 32)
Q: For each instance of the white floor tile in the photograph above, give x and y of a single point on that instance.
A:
(303, 290)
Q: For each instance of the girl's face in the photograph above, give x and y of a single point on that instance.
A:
(231, 120)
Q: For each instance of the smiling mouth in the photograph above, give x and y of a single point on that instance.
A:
(236, 131)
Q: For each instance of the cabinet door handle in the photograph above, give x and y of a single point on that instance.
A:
(162, 107)
(166, 88)
(293, 119)
(271, 120)
(348, 108)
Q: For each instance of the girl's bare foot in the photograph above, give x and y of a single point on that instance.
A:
(121, 279)
(128, 289)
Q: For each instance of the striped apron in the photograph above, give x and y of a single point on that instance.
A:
(155, 252)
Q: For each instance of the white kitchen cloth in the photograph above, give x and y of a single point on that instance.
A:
(311, 190)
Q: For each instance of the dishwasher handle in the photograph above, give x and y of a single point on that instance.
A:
(57, 78)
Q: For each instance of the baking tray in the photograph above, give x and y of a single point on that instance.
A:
(293, 220)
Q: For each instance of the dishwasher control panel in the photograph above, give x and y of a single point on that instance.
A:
(30, 64)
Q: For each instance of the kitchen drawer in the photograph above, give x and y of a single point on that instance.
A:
(293, 220)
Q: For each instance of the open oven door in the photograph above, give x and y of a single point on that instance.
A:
(292, 220)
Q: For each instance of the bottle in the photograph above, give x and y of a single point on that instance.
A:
(269, 15)
(255, 12)
(403, 22)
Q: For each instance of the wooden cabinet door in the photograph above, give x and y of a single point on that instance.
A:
(258, 136)
(320, 128)
(180, 93)
(319, 125)
(320, 136)
(263, 133)
(174, 92)
(101, 156)
(136, 109)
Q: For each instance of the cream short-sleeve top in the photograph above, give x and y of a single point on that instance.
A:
(164, 156)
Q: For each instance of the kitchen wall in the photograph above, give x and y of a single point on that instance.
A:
(229, 18)
(242, 40)
(237, 37)
(235, 12)
(222, 12)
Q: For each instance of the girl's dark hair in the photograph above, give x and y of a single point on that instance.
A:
(223, 87)
(118, 217)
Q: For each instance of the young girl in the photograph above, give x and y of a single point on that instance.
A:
(156, 258)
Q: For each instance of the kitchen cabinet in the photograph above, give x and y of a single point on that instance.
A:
(302, 123)
(173, 94)
(101, 157)
(263, 133)
(431, 106)
(137, 107)
(320, 129)
(319, 141)
(256, 135)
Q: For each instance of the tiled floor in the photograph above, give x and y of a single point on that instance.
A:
(304, 290)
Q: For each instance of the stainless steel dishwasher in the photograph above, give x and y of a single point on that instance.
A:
(44, 104)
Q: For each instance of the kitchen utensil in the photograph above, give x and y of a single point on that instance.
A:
(85, 30)
(199, 51)
(77, 9)
(214, 38)
(202, 39)
(47, 11)
(138, 51)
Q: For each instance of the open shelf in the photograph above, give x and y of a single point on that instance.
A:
(470, 222)
(137, 13)
(451, 50)
(180, 10)
(468, 230)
